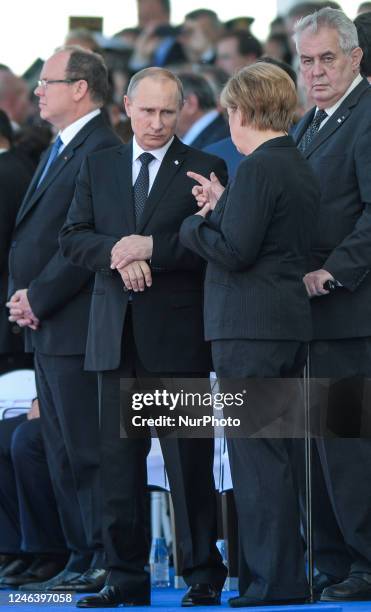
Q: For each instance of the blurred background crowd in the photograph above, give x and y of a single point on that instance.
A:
(203, 51)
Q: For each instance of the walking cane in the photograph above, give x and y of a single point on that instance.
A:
(308, 475)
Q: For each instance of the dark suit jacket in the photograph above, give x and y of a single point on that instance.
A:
(257, 242)
(59, 292)
(227, 151)
(15, 175)
(340, 156)
(216, 130)
(167, 318)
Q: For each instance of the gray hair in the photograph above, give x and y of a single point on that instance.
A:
(329, 18)
(160, 74)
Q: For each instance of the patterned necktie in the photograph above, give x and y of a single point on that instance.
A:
(312, 130)
(141, 186)
(52, 156)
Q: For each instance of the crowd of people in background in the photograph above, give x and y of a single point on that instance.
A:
(202, 45)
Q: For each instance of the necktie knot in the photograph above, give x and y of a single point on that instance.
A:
(319, 117)
(146, 158)
(57, 144)
(52, 156)
(312, 129)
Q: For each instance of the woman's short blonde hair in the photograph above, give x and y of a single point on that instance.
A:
(265, 96)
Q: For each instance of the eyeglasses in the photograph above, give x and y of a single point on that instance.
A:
(45, 82)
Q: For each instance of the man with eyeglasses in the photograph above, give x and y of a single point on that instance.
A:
(51, 298)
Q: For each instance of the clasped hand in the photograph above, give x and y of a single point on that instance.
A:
(129, 256)
(207, 192)
(131, 248)
(136, 276)
(20, 310)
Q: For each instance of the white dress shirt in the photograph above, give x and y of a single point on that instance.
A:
(199, 126)
(70, 131)
(330, 111)
(155, 164)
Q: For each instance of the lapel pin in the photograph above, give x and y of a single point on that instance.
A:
(176, 162)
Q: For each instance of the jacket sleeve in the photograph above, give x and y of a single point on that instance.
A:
(169, 253)
(79, 241)
(56, 285)
(233, 234)
(350, 261)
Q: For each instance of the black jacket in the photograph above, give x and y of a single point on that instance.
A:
(257, 242)
(167, 318)
(340, 156)
(15, 175)
(59, 292)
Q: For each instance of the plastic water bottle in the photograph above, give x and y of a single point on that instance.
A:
(222, 546)
(159, 562)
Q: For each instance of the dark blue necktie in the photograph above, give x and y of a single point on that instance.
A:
(141, 186)
(312, 130)
(52, 156)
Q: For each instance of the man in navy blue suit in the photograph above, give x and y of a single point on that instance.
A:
(200, 123)
(51, 299)
(335, 137)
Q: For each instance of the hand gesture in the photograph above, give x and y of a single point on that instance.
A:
(208, 191)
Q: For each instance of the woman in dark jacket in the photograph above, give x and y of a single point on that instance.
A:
(256, 236)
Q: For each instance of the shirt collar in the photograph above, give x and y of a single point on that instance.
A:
(70, 131)
(159, 154)
(199, 126)
(330, 111)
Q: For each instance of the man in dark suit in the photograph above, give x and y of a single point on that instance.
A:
(200, 123)
(30, 529)
(335, 137)
(15, 175)
(51, 298)
(155, 329)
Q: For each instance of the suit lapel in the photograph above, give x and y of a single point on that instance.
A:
(170, 166)
(34, 193)
(333, 124)
(302, 127)
(123, 172)
(336, 120)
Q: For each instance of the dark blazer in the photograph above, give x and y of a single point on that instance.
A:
(167, 318)
(340, 156)
(216, 130)
(15, 175)
(227, 151)
(59, 292)
(257, 242)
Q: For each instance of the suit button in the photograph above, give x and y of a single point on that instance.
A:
(13, 243)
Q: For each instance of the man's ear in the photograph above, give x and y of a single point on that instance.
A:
(127, 106)
(191, 105)
(356, 56)
(80, 89)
